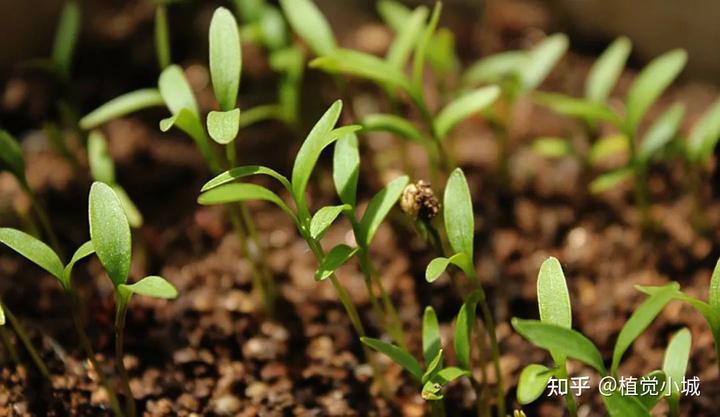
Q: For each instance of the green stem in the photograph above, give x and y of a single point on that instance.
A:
(76, 311)
(25, 340)
(437, 408)
(120, 313)
(495, 352)
(569, 398)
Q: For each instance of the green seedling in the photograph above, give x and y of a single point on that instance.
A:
(643, 93)
(460, 228)
(519, 74)
(12, 161)
(102, 168)
(434, 376)
(43, 256)
(388, 72)
(223, 190)
(554, 333)
(111, 240)
(346, 169)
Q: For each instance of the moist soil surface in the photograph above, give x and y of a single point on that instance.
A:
(214, 352)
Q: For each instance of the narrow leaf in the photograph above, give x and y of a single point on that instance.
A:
(101, 164)
(397, 355)
(714, 292)
(378, 209)
(33, 250)
(541, 60)
(463, 107)
(324, 218)
(431, 341)
(608, 146)
(458, 213)
(110, 232)
(346, 168)
(176, 91)
(619, 405)
(650, 84)
(552, 147)
(233, 193)
(553, 295)
(153, 286)
(244, 171)
(225, 58)
(273, 28)
(11, 156)
(407, 38)
(648, 400)
(121, 106)
(662, 131)
(85, 250)
(223, 126)
(360, 64)
(640, 320)
(532, 383)
(577, 107)
(705, 134)
(66, 37)
(607, 69)
(555, 338)
(393, 13)
(393, 124)
(433, 366)
(310, 24)
(421, 50)
(337, 257)
(609, 180)
(495, 68)
(675, 363)
(463, 332)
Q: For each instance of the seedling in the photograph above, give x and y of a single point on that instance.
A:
(110, 237)
(644, 92)
(519, 74)
(389, 74)
(223, 190)
(554, 333)
(12, 161)
(460, 228)
(434, 376)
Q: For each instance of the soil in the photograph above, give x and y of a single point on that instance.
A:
(213, 352)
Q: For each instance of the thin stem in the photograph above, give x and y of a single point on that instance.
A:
(25, 340)
(121, 312)
(495, 351)
(76, 311)
(481, 389)
(569, 398)
(9, 347)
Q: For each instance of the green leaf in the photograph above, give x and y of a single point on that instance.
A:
(33, 250)
(714, 290)
(458, 213)
(553, 295)
(66, 36)
(110, 232)
(608, 146)
(337, 257)
(609, 180)
(431, 388)
(442, 54)
(556, 338)
(378, 209)
(324, 218)
(85, 250)
(710, 313)
(407, 38)
(463, 107)
(422, 46)
(541, 60)
(532, 383)
(394, 14)
(360, 64)
(233, 193)
(432, 367)
(437, 266)
(675, 364)
(495, 68)
(640, 320)
(162, 37)
(244, 171)
(225, 58)
(135, 218)
(310, 24)
(11, 156)
(393, 124)
(121, 106)
(152, 286)
(249, 10)
(397, 355)
(662, 131)
(552, 147)
(101, 164)
(650, 84)
(273, 28)
(346, 168)
(306, 158)
(619, 405)
(223, 126)
(705, 134)
(431, 340)
(607, 69)
(577, 107)
(463, 333)
(176, 91)
(649, 401)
